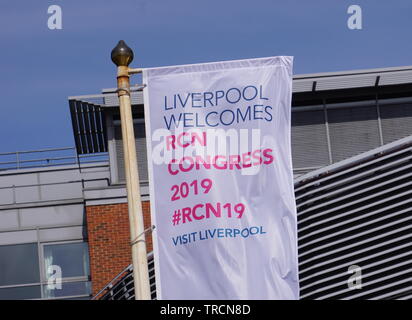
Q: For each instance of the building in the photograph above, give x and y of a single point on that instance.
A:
(351, 145)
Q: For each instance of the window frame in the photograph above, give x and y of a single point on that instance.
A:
(42, 269)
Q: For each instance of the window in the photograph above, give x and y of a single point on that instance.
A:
(44, 271)
(68, 289)
(66, 270)
(18, 293)
(19, 264)
(72, 258)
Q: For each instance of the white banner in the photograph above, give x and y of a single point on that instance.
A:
(221, 180)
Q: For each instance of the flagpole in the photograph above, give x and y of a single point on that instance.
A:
(122, 56)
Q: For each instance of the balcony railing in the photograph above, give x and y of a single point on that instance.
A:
(46, 158)
(122, 286)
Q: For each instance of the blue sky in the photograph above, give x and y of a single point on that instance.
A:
(40, 68)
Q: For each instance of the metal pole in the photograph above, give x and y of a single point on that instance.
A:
(122, 56)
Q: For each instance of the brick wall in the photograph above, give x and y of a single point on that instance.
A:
(109, 241)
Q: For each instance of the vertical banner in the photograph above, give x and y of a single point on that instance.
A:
(221, 179)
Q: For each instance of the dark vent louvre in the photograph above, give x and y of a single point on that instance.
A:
(396, 121)
(88, 127)
(140, 135)
(309, 139)
(362, 218)
(353, 131)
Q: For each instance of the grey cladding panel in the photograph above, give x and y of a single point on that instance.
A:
(61, 191)
(7, 196)
(352, 131)
(61, 234)
(52, 216)
(9, 219)
(396, 121)
(140, 134)
(27, 194)
(309, 141)
(56, 176)
(18, 237)
(18, 180)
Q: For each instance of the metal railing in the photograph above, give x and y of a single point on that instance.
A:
(46, 158)
(122, 286)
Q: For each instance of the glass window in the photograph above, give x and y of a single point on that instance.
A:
(19, 293)
(19, 264)
(67, 289)
(71, 258)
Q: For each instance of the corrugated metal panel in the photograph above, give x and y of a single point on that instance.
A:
(302, 85)
(353, 131)
(399, 77)
(345, 82)
(111, 99)
(309, 139)
(140, 135)
(396, 121)
(362, 216)
(381, 154)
